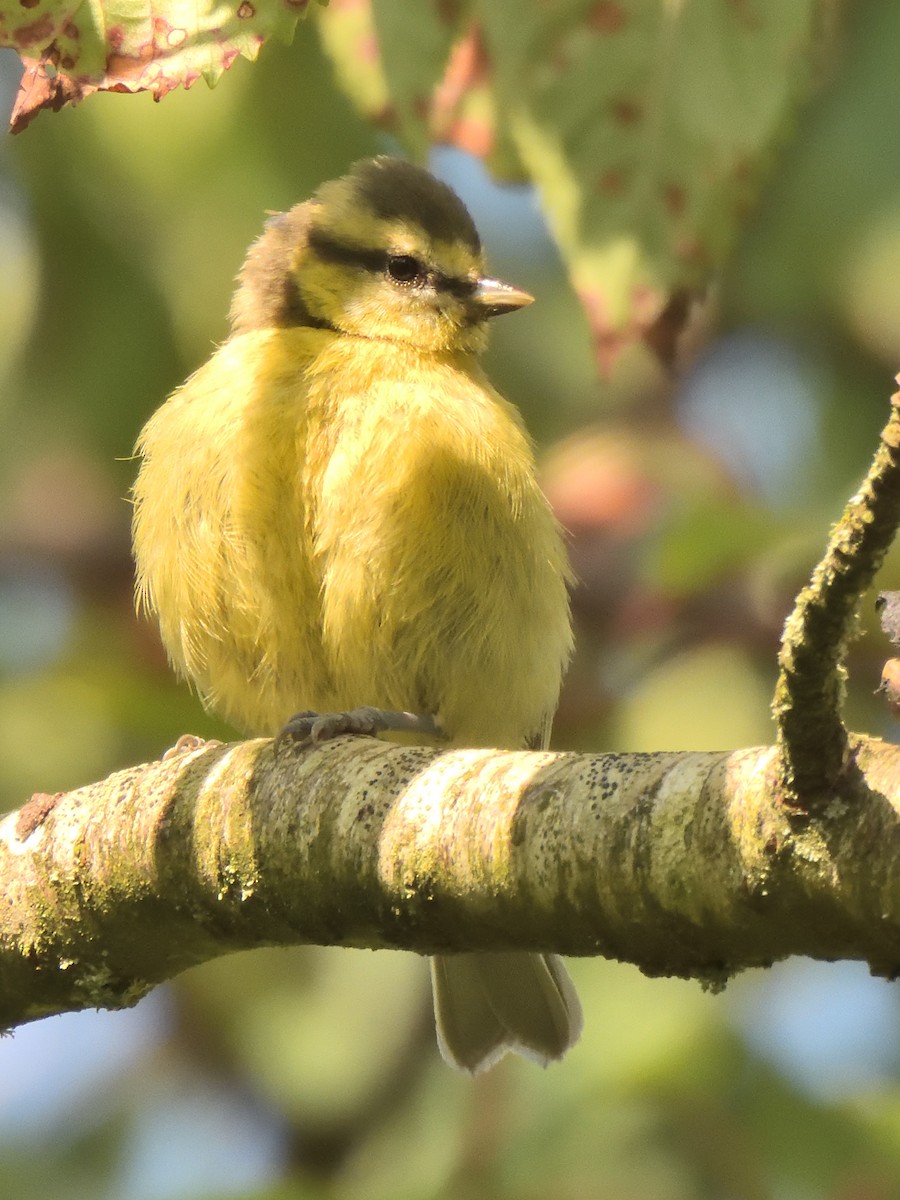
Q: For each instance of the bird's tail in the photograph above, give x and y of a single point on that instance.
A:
(487, 1004)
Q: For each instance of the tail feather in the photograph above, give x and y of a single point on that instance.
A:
(488, 1004)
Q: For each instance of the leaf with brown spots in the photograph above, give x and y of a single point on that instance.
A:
(71, 50)
(647, 128)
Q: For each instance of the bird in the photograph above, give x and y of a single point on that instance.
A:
(338, 514)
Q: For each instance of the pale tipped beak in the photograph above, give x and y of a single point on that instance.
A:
(494, 297)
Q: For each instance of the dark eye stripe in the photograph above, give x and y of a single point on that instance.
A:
(464, 288)
(376, 261)
(343, 252)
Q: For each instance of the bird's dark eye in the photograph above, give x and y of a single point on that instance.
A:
(403, 268)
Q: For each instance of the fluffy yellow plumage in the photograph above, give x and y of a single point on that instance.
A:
(339, 510)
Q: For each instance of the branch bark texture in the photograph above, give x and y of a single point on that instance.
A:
(809, 696)
(684, 864)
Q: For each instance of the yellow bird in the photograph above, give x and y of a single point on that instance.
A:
(338, 510)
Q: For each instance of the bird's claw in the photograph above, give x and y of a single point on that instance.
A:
(310, 728)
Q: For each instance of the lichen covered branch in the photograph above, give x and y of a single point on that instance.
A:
(812, 738)
(681, 863)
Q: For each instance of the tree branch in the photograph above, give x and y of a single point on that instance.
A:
(684, 864)
(809, 695)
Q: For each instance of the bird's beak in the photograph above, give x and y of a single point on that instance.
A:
(493, 298)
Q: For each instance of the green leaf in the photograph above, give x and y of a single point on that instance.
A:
(647, 128)
(420, 71)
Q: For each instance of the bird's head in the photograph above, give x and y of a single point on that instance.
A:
(387, 251)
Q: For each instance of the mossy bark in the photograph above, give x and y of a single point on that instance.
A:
(809, 696)
(685, 864)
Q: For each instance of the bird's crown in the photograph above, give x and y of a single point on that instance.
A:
(387, 251)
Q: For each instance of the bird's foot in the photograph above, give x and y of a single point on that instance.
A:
(309, 728)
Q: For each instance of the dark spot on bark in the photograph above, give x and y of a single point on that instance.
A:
(34, 813)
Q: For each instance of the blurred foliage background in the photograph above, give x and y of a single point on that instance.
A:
(695, 509)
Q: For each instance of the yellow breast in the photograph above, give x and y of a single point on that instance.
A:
(323, 522)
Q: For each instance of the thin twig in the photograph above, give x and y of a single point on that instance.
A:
(809, 695)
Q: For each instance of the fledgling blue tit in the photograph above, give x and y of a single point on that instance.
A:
(338, 510)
